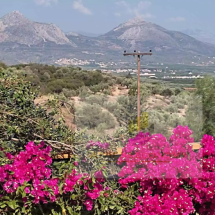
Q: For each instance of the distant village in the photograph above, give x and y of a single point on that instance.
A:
(110, 67)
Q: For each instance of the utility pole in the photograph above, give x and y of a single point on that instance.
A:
(138, 54)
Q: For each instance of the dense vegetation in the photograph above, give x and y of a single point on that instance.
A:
(206, 90)
(23, 121)
(53, 79)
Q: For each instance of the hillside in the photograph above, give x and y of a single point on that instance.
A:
(103, 103)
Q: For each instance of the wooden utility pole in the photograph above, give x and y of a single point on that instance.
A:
(138, 54)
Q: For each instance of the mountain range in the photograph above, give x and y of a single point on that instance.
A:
(88, 34)
(24, 41)
(200, 35)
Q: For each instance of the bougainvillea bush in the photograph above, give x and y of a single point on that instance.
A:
(28, 186)
(172, 178)
(158, 177)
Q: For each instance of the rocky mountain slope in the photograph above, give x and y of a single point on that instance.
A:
(138, 34)
(23, 41)
(14, 27)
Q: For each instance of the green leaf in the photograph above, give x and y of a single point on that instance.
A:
(120, 211)
(98, 211)
(73, 196)
(12, 204)
(78, 208)
(61, 186)
(54, 213)
(70, 210)
(93, 180)
(2, 205)
(101, 201)
(104, 173)
(112, 207)
(23, 210)
(23, 194)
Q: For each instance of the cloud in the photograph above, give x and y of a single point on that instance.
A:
(78, 5)
(45, 2)
(148, 16)
(117, 14)
(177, 19)
(144, 5)
(140, 10)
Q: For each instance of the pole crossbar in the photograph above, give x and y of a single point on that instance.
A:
(138, 54)
(126, 54)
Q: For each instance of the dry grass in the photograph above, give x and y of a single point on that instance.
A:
(64, 111)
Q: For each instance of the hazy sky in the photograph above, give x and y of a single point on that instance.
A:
(100, 16)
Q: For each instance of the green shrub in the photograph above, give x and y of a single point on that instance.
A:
(160, 128)
(172, 108)
(156, 89)
(91, 116)
(96, 99)
(167, 92)
(83, 92)
(123, 100)
(180, 105)
(3, 65)
(56, 86)
(194, 117)
(111, 106)
(95, 88)
(166, 116)
(177, 91)
(69, 93)
(173, 99)
(119, 80)
(127, 82)
(108, 119)
(107, 91)
(158, 107)
(174, 120)
(180, 99)
(101, 127)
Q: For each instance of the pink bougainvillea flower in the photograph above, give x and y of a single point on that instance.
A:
(24, 199)
(89, 204)
(27, 190)
(9, 156)
(99, 176)
(94, 194)
(99, 145)
(106, 195)
(98, 186)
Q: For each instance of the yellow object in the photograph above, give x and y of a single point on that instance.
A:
(144, 120)
(195, 146)
(144, 123)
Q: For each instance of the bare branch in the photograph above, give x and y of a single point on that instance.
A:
(68, 147)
